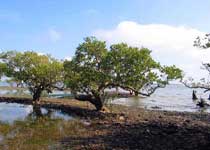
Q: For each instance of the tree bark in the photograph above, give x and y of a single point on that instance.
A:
(96, 101)
(37, 95)
(136, 93)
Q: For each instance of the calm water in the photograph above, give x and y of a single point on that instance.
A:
(9, 112)
(172, 98)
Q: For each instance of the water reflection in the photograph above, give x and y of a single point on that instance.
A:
(171, 98)
(10, 112)
(37, 112)
(24, 92)
(14, 92)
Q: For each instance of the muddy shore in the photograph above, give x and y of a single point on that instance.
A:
(130, 128)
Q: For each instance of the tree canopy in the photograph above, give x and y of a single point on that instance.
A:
(37, 72)
(95, 68)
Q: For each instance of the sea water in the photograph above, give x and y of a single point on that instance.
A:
(10, 112)
(175, 97)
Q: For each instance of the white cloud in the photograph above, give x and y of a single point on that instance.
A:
(47, 36)
(54, 35)
(69, 58)
(169, 44)
(41, 54)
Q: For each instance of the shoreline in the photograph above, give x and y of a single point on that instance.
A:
(84, 109)
(130, 128)
(59, 103)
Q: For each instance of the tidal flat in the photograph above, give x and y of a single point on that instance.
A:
(121, 128)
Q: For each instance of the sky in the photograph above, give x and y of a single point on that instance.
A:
(56, 27)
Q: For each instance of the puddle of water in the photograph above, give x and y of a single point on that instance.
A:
(10, 112)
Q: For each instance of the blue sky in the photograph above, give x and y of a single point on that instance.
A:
(58, 26)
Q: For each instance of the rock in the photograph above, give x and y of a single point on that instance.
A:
(148, 131)
(156, 107)
(105, 110)
(121, 118)
(86, 123)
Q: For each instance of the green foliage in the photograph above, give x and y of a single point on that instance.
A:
(2, 69)
(131, 66)
(37, 72)
(85, 71)
(203, 43)
(172, 72)
(94, 68)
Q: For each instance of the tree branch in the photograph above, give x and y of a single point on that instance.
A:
(196, 87)
(152, 90)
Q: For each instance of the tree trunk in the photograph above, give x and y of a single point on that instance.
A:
(37, 95)
(96, 101)
(136, 93)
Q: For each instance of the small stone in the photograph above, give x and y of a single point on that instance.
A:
(148, 131)
(121, 118)
(105, 110)
(86, 123)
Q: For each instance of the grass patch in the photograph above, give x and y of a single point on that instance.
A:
(40, 134)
